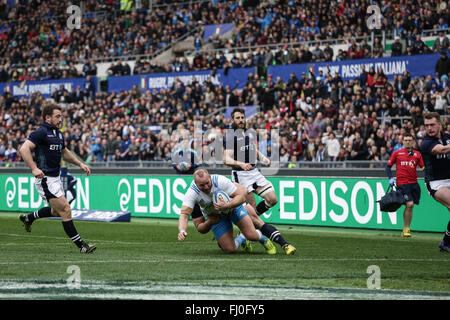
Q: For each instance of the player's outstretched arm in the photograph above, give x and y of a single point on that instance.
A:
(183, 222)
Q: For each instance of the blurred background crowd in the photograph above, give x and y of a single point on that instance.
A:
(318, 117)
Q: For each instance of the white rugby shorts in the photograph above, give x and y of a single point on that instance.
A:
(435, 185)
(49, 187)
(251, 180)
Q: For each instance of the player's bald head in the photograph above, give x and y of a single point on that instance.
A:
(203, 180)
(201, 174)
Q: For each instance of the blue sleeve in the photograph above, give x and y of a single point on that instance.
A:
(427, 145)
(389, 171)
(37, 137)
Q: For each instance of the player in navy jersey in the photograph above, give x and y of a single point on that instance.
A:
(241, 152)
(406, 161)
(49, 147)
(435, 149)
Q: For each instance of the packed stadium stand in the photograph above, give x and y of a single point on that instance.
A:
(319, 115)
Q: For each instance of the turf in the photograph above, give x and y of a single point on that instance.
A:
(146, 251)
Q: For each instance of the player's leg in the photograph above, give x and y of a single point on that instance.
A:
(263, 188)
(270, 199)
(243, 221)
(250, 198)
(269, 230)
(442, 195)
(45, 212)
(223, 232)
(62, 208)
(407, 217)
(28, 219)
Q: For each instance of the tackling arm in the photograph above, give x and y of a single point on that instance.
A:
(203, 225)
(440, 149)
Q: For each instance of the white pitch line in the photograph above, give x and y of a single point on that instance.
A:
(194, 291)
(290, 260)
(91, 240)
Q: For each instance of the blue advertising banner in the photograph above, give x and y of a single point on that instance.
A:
(122, 83)
(416, 65)
(45, 87)
(234, 77)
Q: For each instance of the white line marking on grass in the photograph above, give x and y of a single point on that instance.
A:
(215, 260)
(11, 289)
(91, 240)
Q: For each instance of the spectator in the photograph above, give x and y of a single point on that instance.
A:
(442, 65)
(397, 47)
(124, 148)
(359, 149)
(378, 49)
(333, 147)
(441, 43)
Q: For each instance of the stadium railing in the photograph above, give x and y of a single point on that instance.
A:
(168, 164)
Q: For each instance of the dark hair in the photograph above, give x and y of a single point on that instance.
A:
(432, 115)
(407, 134)
(235, 110)
(48, 109)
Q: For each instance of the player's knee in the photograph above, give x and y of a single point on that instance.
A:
(65, 212)
(272, 201)
(409, 204)
(227, 248)
(54, 212)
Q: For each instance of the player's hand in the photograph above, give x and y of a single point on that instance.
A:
(85, 168)
(266, 161)
(247, 167)
(182, 235)
(392, 182)
(37, 173)
(222, 206)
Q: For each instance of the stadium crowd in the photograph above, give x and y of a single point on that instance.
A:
(35, 43)
(319, 117)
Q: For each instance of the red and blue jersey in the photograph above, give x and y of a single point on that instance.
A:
(406, 164)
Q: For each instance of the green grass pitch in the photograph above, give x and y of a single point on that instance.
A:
(142, 259)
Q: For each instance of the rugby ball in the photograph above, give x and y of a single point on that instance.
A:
(183, 166)
(220, 196)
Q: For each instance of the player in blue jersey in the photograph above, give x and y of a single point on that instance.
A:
(435, 149)
(49, 147)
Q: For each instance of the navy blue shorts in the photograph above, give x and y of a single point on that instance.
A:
(411, 192)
